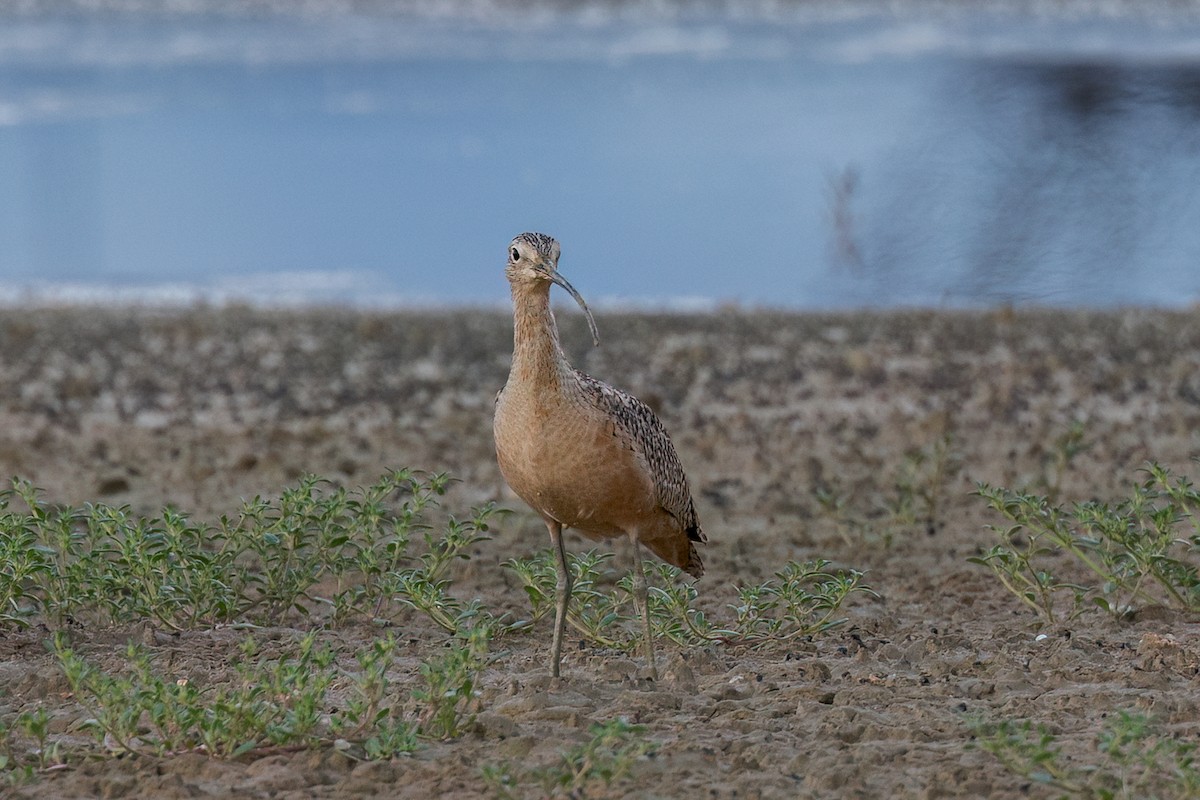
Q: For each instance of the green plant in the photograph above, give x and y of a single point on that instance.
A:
(1067, 446)
(272, 700)
(372, 713)
(111, 566)
(672, 609)
(391, 737)
(41, 563)
(1135, 547)
(308, 535)
(1019, 559)
(371, 686)
(267, 702)
(164, 569)
(448, 696)
(918, 487)
(35, 725)
(1025, 750)
(1133, 759)
(920, 483)
(424, 587)
(832, 502)
(18, 768)
(608, 756)
(801, 600)
(593, 613)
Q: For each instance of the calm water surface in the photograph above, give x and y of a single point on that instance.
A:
(813, 165)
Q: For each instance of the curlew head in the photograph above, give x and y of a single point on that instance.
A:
(533, 257)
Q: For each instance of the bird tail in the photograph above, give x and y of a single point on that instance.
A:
(678, 551)
(693, 566)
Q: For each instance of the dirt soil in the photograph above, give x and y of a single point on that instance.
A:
(201, 408)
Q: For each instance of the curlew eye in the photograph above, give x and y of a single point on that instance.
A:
(516, 255)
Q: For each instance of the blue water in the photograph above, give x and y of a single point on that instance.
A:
(686, 164)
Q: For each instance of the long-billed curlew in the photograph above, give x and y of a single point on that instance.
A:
(583, 454)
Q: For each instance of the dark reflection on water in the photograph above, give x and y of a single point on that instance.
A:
(687, 165)
(1062, 182)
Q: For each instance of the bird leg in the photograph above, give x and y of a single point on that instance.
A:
(562, 596)
(640, 598)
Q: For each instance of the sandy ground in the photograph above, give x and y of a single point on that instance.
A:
(201, 408)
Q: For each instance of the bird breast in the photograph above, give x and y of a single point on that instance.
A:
(571, 462)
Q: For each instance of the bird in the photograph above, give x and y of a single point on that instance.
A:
(584, 455)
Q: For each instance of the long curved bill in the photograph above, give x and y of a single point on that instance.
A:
(555, 277)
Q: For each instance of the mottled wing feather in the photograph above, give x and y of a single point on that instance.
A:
(645, 432)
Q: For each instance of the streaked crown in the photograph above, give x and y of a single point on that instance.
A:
(545, 246)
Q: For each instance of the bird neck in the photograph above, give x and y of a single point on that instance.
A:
(537, 354)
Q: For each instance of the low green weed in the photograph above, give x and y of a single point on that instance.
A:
(1143, 550)
(592, 612)
(425, 587)
(42, 753)
(448, 696)
(917, 492)
(105, 564)
(328, 554)
(801, 600)
(1068, 446)
(276, 700)
(1132, 759)
(268, 701)
(608, 756)
(372, 712)
(920, 484)
(16, 767)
